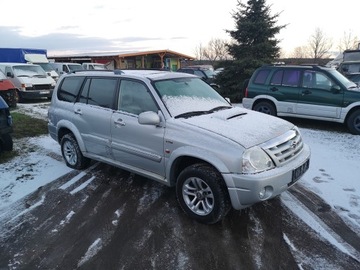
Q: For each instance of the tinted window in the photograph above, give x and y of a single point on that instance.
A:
(69, 88)
(135, 98)
(99, 91)
(291, 77)
(261, 76)
(277, 78)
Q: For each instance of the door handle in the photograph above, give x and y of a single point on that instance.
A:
(119, 122)
(306, 92)
(274, 89)
(78, 111)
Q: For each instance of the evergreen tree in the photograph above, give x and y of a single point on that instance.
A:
(254, 45)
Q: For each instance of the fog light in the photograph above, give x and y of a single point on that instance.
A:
(265, 193)
(262, 193)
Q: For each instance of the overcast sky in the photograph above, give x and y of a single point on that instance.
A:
(65, 26)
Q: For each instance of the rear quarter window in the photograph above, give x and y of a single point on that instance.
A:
(69, 88)
(261, 76)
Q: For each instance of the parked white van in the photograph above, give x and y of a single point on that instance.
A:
(62, 68)
(93, 66)
(31, 80)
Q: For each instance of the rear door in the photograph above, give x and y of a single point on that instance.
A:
(319, 96)
(284, 87)
(93, 112)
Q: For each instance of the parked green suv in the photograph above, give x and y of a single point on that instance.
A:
(313, 92)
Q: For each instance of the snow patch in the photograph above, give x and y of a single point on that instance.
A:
(91, 252)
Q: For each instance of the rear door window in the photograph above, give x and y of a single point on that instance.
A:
(69, 88)
(291, 78)
(100, 92)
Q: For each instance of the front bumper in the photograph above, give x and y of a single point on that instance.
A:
(244, 189)
(36, 94)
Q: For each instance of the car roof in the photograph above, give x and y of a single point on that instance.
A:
(153, 75)
(305, 66)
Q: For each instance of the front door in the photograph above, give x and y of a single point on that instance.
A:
(319, 96)
(136, 146)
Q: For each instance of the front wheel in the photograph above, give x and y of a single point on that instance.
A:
(265, 107)
(353, 122)
(72, 154)
(202, 193)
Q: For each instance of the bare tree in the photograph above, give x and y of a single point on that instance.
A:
(216, 50)
(348, 42)
(319, 44)
(199, 52)
(301, 52)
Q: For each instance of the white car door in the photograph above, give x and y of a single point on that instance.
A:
(92, 114)
(136, 146)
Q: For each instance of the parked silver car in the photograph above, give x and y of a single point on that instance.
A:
(174, 128)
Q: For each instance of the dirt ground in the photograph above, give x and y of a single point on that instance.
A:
(124, 221)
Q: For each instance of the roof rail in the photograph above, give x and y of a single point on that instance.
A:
(92, 70)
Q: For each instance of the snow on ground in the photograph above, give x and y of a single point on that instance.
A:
(333, 174)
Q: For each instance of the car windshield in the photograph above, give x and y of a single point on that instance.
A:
(75, 67)
(345, 81)
(46, 66)
(209, 72)
(99, 66)
(2, 76)
(185, 95)
(29, 71)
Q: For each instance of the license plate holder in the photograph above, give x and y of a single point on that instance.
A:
(299, 171)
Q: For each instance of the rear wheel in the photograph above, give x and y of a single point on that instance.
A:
(265, 107)
(72, 154)
(353, 122)
(202, 193)
(7, 142)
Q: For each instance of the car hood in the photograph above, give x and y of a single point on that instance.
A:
(35, 80)
(243, 126)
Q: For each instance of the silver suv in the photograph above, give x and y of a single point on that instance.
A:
(174, 128)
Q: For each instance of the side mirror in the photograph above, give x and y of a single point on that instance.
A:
(149, 118)
(9, 74)
(335, 89)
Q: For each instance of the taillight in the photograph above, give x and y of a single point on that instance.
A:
(246, 92)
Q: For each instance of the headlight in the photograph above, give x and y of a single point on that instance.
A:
(256, 160)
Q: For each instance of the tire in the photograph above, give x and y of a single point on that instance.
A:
(7, 142)
(72, 154)
(202, 193)
(353, 122)
(265, 107)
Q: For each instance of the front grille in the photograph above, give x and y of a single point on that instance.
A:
(40, 87)
(285, 147)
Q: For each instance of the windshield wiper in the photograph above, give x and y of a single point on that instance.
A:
(220, 108)
(196, 113)
(191, 114)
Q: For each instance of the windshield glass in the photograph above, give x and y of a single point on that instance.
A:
(2, 75)
(29, 70)
(183, 95)
(209, 72)
(99, 66)
(75, 67)
(46, 66)
(345, 81)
